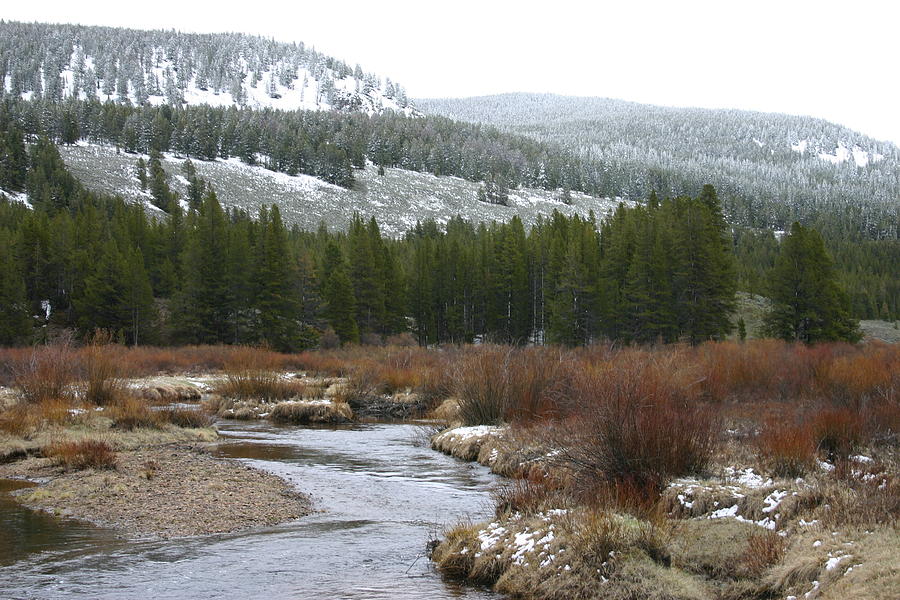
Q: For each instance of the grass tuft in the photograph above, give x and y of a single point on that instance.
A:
(83, 454)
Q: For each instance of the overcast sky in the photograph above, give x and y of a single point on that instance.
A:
(839, 61)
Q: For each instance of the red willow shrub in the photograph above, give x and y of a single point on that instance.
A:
(788, 444)
(631, 425)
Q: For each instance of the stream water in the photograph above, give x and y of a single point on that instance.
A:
(381, 497)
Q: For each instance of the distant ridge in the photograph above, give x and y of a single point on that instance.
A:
(770, 167)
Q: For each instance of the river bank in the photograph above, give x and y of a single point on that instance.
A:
(735, 530)
(166, 491)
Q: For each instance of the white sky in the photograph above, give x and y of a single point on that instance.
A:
(839, 61)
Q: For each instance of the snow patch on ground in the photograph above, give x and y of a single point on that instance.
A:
(20, 197)
(746, 477)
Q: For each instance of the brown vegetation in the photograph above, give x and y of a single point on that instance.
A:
(83, 454)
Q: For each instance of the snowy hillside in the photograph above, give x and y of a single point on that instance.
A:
(398, 199)
(167, 67)
(769, 168)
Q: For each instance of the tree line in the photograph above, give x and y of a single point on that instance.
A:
(664, 271)
(324, 144)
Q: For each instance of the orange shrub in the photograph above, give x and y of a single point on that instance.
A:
(84, 454)
(788, 444)
(47, 373)
(838, 430)
(631, 426)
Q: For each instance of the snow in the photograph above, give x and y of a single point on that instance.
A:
(490, 536)
(746, 477)
(834, 561)
(773, 500)
(825, 466)
(841, 154)
(303, 92)
(465, 433)
(47, 308)
(20, 197)
(771, 503)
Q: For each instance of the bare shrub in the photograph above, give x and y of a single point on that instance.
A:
(84, 454)
(402, 340)
(48, 372)
(329, 340)
(788, 444)
(483, 385)
(20, 420)
(538, 379)
(838, 430)
(630, 424)
(102, 365)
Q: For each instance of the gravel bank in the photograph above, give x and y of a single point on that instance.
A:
(164, 491)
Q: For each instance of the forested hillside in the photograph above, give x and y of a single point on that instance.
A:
(57, 62)
(206, 275)
(770, 169)
(149, 117)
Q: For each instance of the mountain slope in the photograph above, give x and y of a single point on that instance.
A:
(398, 199)
(167, 67)
(770, 168)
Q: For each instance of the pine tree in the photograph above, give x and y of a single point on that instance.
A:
(808, 305)
(15, 321)
(340, 304)
(367, 274)
(275, 300)
(202, 307)
(159, 186)
(704, 280)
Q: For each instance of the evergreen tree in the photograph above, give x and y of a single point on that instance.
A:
(367, 274)
(203, 305)
(808, 305)
(275, 300)
(159, 187)
(15, 320)
(340, 303)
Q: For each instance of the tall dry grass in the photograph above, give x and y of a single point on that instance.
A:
(83, 454)
(254, 373)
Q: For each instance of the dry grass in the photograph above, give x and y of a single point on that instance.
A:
(589, 551)
(131, 413)
(311, 412)
(83, 454)
(764, 549)
(254, 373)
(187, 418)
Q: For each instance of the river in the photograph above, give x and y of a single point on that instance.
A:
(379, 494)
